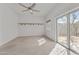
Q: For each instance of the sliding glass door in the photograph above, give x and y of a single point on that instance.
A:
(68, 32)
(74, 31)
(62, 30)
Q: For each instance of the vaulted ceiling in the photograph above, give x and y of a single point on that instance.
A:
(45, 9)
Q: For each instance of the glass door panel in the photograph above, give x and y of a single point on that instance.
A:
(74, 31)
(62, 30)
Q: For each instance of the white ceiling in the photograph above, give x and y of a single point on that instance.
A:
(45, 9)
(62, 8)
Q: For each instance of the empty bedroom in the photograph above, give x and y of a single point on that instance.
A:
(39, 28)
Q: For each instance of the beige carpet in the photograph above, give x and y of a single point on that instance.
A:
(28, 46)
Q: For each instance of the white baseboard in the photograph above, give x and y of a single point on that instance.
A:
(6, 41)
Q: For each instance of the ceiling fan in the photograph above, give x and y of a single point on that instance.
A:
(29, 8)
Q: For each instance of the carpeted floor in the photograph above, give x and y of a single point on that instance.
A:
(28, 46)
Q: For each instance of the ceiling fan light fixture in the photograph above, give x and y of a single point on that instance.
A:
(31, 11)
(30, 8)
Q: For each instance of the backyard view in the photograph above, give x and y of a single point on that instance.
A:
(74, 31)
(62, 30)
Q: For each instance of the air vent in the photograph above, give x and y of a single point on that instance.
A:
(48, 21)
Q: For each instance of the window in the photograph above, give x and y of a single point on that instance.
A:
(62, 30)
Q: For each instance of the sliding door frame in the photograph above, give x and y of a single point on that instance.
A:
(68, 33)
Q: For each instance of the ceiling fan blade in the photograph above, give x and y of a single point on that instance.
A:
(33, 5)
(25, 10)
(22, 5)
(35, 10)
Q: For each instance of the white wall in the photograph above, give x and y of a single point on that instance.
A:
(30, 30)
(50, 28)
(30, 19)
(8, 27)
